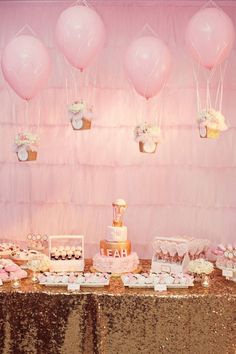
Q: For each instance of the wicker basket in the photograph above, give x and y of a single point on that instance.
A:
(142, 149)
(206, 132)
(86, 124)
(32, 156)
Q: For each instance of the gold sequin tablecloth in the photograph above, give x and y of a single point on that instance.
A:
(115, 320)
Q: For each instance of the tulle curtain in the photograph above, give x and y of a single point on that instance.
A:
(186, 188)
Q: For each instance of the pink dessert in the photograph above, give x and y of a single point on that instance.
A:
(226, 256)
(9, 270)
(116, 265)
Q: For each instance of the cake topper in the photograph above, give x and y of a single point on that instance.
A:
(119, 207)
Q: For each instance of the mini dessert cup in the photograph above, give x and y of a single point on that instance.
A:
(205, 281)
(15, 283)
(34, 277)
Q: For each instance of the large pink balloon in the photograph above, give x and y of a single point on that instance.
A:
(25, 65)
(80, 34)
(148, 65)
(210, 36)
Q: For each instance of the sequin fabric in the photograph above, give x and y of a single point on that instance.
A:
(115, 320)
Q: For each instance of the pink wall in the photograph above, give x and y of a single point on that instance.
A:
(186, 188)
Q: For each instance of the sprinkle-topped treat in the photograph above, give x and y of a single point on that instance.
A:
(115, 250)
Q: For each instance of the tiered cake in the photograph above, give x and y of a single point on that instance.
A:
(115, 251)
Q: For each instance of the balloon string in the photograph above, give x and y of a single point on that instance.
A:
(208, 92)
(26, 116)
(134, 99)
(82, 84)
(199, 108)
(67, 93)
(210, 2)
(149, 28)
(222, 85)
(221, 96)
(26, 26)
(14, 118)
(208, 96)
(39, 117)
(161, 109)
(75, 85)
(218, 89)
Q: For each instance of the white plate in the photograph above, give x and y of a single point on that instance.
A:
(87, 285)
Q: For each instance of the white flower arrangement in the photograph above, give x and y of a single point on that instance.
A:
(40, 264)
(81, 109)
(212, 119)
(147, 133)
(200, 266)
(26, 138)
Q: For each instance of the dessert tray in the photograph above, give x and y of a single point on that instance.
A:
(228, 268)
(170, 281)
(82, 279)
(66, 253)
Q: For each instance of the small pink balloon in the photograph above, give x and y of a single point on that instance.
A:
(25, 65)
(210, 36)
(148, 65)
(80, 34)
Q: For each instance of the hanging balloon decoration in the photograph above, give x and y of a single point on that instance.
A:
(26, 66)
(147, 66)
(209, 39)
(80, 35)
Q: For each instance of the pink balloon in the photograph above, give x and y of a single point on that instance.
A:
(210, 36)
(80, 34)
(148, 65)
(25, 65)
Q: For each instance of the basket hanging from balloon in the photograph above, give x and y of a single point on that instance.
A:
(80, 115)
(211, 123)
(148, 136)
(26, 146)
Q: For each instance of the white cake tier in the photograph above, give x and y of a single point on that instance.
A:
(116, 233)
(116, 265)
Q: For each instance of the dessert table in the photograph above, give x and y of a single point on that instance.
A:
(40, 320)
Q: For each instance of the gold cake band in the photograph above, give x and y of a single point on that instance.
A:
(117, 223)
(115, 249)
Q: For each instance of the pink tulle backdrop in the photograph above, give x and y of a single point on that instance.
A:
(186, 188)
